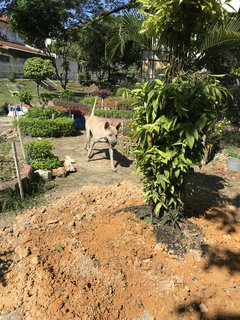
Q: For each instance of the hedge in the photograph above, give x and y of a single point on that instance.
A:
(46, 128)
(39, 155)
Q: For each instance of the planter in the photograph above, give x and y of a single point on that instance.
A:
(233, 164)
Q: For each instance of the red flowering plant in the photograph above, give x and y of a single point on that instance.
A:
(116, 103)
(103, 94)
(69, 107)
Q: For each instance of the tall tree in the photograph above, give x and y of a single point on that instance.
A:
(55, 19)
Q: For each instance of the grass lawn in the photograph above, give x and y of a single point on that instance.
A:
(31, 87)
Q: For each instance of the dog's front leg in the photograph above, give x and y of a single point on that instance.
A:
(111, 159)
(92, 143)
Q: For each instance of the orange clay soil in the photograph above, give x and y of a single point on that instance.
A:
(79, 259)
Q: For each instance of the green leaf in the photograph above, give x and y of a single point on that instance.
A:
(190, 139)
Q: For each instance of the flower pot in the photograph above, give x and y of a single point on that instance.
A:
(233, 164)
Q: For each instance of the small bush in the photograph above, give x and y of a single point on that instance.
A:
(231, 138)
(116, 103)
(25, 97)
(4, 109)
(45, 97)
(12, 77)
(43, 113)
(69, 105)
(121, 92)
(46, 164)
(38, 149)
(66, 95)
(113, 113)
(46, 128)
(89, 100)
(83, 79)
(39, 154)
(103, 94)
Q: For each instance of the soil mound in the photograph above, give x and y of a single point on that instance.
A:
(87, 257)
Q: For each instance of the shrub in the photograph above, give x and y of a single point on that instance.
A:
(66, 95)
(89, 100)
(69, 105)
(103, 94)
(113, 113)
(12, 77)
(46, 128)
(83, 79)
(122, 92)
(25, 97)
(172, 120)
(4, 109)
(43, 113)
(39, 154)
(116, 103)
(45, 97)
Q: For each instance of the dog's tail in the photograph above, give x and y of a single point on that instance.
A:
(94, 106)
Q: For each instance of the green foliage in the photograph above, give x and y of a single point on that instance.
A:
(12, 77)
(172, 119)
(38, 68)
(122, 92)
(46, 128)
(231, 138)
(89, 100)
(113, 113)
(39, 155)
(4, 109)
(25, 97)
(46, 164)
(45, 97)
(83, 79)
(66, 95)
(43, 113)
(38, 149)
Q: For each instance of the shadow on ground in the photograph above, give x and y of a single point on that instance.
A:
(5, 263)
(120, 159)
(195, 306)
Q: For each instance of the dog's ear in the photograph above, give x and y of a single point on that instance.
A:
(106, 125)
(118, 125)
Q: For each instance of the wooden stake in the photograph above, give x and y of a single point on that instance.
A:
(21, 143)
(17, 169)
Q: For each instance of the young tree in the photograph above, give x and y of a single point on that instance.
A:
(173, 115)
(38, 69)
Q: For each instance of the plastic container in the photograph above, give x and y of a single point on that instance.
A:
(233, 164)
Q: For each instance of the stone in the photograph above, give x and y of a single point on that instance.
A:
(22, 252)
(179, 279)
(45, 175)
(59, 172)
(69, 164)
(203, 308)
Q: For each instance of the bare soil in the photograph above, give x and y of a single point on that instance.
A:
(89, 254)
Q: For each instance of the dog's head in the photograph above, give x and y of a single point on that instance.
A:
(111, 134)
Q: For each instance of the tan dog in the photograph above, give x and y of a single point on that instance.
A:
(100, 131)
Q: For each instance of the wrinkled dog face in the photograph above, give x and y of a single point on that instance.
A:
(111, 134)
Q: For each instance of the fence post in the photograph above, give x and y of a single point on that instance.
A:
(17, 170)
(21, 143)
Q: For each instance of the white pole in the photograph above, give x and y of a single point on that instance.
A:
(17, 170)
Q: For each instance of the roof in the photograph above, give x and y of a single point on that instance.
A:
(13, 46)
(4, 18)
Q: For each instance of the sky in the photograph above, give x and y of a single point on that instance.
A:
(234, 3)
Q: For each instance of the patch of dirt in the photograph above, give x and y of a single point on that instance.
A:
(79, 259)
(88, 253)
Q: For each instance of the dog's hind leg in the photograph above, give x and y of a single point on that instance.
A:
(92, 143)
(87, 139)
